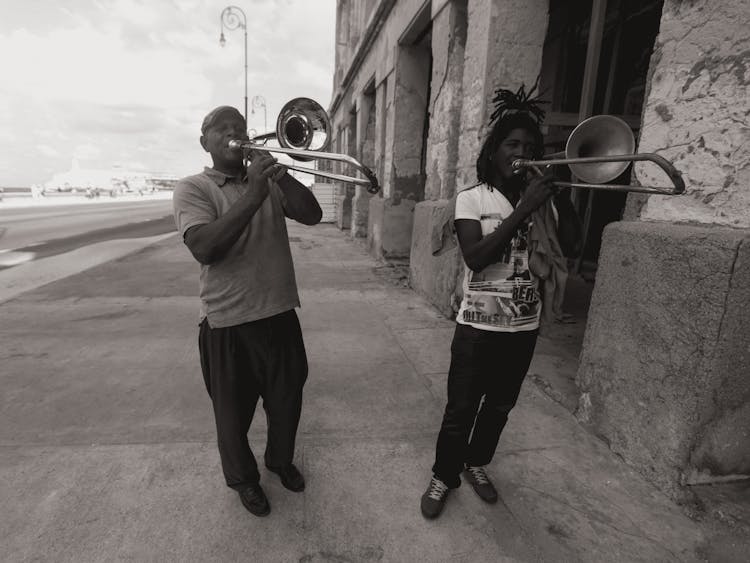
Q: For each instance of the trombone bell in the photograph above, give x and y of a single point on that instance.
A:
(598, 136)
(303, 124)
(303, 130)
(598, 150)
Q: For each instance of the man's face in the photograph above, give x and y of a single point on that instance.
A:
(519, 143)
(226, 127)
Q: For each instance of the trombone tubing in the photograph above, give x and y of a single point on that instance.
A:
(371, 182)
(663, 163)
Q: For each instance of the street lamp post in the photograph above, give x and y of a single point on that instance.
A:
(230, 18)
(260, 101)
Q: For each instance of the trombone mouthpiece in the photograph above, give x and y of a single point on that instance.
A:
(517, 166)
(235, 144)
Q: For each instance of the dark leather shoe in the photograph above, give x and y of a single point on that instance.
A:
(291, 478)
(254, 499)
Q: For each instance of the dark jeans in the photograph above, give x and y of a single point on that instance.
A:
(264, 358)
(485, 364)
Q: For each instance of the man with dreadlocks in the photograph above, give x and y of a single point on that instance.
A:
(498, 321)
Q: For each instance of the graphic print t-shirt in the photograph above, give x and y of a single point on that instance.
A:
(503, 297)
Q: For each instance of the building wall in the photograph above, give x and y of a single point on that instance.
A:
(697, 111)
(664, 368)
(372, 51)
(663, 372)
(449, 31)
(503, 50)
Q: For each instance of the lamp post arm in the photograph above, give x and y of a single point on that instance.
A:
(230, 18)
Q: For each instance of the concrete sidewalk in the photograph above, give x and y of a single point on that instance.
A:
(108, 450)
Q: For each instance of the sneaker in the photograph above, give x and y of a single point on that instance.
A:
(481, 483)
(254, 499)
(433, 500)
(291, 478)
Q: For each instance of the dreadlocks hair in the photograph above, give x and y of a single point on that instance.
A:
(513, 110)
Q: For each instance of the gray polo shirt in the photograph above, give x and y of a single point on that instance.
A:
(255, 279)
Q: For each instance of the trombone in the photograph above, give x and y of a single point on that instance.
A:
(303, 130)
(598, 150)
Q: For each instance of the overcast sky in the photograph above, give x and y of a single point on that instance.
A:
(127, 82)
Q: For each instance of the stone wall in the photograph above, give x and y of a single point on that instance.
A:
(435, 277)
(696, 113)
(664, 369)
(390, 224)
(666, 357)
(449, 30)
(378, 69)
(366, 150)
(503, 49)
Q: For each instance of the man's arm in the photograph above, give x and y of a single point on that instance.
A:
(299, 202)
(478, 251)
(210, 242)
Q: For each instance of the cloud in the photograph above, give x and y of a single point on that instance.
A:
(134, 78)
(86, 151)
(46, 150)
(98, 119)
(90, 66)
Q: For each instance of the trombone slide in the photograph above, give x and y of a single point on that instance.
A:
(370, 181)
(674, 175)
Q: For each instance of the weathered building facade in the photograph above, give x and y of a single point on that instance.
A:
(665, 369)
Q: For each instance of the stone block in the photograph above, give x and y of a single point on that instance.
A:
(360, 212)
(723, 447)
(664, 367)
(435, 277)
(343, 212)
(390, 225)
(375, 227)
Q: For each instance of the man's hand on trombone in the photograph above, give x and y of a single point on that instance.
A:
(261, 168)
(538, 191)
(298, 201)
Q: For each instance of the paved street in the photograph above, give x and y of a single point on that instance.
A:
(45, 240)
(41, 221)
(108, 450)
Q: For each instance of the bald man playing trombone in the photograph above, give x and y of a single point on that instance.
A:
(232, 218)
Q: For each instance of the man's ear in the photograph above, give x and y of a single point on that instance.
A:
(203, 143)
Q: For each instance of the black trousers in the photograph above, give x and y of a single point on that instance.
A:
(484, 364)
(260, 359)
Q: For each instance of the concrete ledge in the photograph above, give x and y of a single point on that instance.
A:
(435, 277)
(664, 368)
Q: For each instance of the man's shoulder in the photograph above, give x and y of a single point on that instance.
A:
(194, 179)
(469, 192)
(472, 189)
(200, 181)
